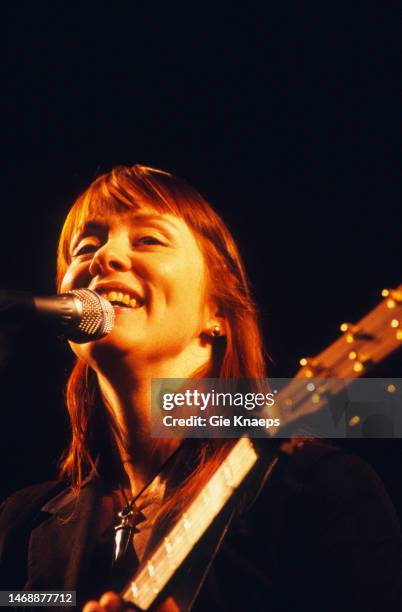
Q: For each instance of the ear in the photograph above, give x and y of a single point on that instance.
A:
(216, 325)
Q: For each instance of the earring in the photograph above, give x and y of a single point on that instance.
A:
(215, 332)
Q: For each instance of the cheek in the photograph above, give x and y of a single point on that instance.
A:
(67, 281)
(187, 289)
(74, 278)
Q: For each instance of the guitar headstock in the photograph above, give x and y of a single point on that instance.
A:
(362, 344)
(353, 354)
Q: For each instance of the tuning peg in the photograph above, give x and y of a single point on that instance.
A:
(305, 363)
(394, 297)
(354, 332)
(350, 330)
(358, 366)
(396, 324)
(311, 366)
(359, 362)
(354, 421)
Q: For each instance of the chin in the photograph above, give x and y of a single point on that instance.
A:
(115, 345)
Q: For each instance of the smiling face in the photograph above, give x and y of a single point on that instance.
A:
(151, 265)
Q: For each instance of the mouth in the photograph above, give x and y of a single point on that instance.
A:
(120, 296)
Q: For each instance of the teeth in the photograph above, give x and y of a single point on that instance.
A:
(117, 296)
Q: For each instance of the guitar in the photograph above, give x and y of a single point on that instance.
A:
(358, 349)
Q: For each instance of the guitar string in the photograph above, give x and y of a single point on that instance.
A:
(162, 561)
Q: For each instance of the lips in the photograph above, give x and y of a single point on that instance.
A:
(119, 294)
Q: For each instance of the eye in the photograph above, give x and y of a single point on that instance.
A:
(149, 240)
(85, 249)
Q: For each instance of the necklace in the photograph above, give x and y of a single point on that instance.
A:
(130, 516)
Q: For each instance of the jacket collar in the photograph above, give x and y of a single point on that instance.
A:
(64, 501)
(60, 545)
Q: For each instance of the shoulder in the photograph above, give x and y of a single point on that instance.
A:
(324, 523)
(325, 490)
(341, 527)
(34, 492)
(27, 501)
(326, 474)
(317, 471)
(320, 469)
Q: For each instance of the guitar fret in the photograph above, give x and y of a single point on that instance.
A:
(228, 474)
(186, 522)
(151, 569)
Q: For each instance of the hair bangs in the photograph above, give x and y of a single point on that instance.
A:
(116, 192)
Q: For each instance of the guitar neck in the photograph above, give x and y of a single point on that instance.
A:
(155, 573)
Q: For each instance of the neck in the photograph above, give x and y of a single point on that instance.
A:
(126, 392)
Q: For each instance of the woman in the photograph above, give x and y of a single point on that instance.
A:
(150, 244)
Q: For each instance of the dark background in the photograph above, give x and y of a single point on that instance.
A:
(285, 116)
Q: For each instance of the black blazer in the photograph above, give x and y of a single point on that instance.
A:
(322, 535)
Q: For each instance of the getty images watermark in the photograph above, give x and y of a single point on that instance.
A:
(322, 407)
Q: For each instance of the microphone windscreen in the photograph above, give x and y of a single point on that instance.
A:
(96, 317)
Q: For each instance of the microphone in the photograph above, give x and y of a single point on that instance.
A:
(80, 314)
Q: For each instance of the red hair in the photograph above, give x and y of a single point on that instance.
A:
(238, 355)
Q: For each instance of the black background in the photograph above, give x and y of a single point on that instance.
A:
(284, 115)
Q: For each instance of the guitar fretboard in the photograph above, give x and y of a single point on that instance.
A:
(157, 570)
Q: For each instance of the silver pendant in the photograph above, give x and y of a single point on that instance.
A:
(130, 517)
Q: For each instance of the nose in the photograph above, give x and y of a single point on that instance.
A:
(113, 256)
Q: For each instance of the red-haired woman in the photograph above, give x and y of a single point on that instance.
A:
(317, 535)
